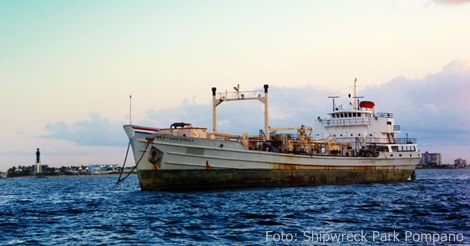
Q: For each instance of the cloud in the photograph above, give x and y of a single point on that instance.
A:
(288, 107)
(94, 131)
(190, 112)
(452, 2)
(434, 108)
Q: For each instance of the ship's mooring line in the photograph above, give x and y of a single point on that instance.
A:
(124, 163)
(143, 153)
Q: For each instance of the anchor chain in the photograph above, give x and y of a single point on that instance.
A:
(124, 164)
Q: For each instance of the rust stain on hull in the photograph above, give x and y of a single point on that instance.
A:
(236, 178)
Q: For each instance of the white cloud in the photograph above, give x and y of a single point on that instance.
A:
(94, 131)
(452, 2)
(433, 109)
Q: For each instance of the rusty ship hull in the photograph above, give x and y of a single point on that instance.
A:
(172, 162)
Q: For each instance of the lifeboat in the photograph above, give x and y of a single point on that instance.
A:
(367, 104)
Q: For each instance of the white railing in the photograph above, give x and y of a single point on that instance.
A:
(239, 95)
(347, 122)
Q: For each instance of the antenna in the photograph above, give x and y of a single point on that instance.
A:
(356, 99)
(130, 109)
(355, 92)
(334, 105)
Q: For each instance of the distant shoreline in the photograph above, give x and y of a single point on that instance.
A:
(435, 168)
(135, 174)
(72, 176)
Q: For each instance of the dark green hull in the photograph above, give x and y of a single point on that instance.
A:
(248, 178)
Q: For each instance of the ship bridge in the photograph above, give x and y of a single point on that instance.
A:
(356, 118)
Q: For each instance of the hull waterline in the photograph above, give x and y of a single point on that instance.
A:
(250, 178)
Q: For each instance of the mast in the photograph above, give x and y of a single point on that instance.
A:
(355, 94)
(218, 98)
(355, 97)
(130, 109)
(266, 112)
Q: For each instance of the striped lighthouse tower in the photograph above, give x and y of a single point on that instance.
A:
(37, 167)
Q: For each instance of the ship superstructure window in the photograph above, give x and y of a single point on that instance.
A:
(389, 123)
(407, 148)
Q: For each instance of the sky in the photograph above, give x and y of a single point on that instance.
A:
(68, 68)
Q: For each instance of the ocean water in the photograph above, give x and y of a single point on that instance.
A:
(88, 211)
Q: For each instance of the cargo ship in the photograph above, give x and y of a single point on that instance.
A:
(349, 146)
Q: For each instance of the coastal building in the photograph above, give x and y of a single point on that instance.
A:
(460, 162)
(431, 159)
(102, 168)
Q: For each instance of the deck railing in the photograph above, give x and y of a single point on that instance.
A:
(384, 115)
(379, 140)
(240, 95)
(347, 122)
(358, 121)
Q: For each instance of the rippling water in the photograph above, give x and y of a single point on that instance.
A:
(86, 210)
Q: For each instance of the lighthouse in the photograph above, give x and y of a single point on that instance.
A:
(37, 167)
